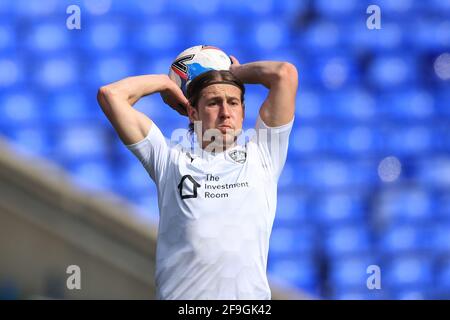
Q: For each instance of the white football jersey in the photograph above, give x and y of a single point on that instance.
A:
(216, 214)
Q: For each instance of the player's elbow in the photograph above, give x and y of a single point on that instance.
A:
(102, 99)
(106, 95)
(285, 73)
(288, 72)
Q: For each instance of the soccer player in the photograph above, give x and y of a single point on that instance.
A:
(216, 205)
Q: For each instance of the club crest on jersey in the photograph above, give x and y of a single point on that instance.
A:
(238, 155)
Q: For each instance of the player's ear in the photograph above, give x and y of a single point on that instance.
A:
(192, 113)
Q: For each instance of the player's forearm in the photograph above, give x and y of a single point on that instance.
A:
(265, 72)
(131, 89)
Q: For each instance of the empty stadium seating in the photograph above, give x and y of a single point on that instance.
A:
(363, 95)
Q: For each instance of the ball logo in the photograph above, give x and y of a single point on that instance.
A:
(180, 68)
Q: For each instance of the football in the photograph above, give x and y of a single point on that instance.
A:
(195, 61)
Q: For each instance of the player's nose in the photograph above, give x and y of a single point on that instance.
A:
(224, 110)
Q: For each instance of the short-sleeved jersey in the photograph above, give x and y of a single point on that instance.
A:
(216, 214)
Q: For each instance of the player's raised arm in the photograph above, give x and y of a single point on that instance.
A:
(281, 78)
(116, 100)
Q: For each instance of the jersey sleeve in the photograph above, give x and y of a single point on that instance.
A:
(273, 145)
(153, 153)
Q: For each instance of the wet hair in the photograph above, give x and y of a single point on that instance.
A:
(194, 89)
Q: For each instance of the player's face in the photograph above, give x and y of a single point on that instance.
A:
(220, 109)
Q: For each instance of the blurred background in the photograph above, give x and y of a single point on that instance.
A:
(367, 178)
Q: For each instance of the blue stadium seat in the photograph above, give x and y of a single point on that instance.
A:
(47, 37)
(443, 278)
(344, 240)
(8, 36)
(338, 9)
(351, 272)
(289, 176)
(443, 205)
(410, 104)
(393, 71)
(406, 238)
(302, 273)
(109, 68)
(335, 208)
(437, 6)
(78, 143)
(405, 205)
(140, 9)
(293, 207)
(248, 9)
(309, 106)
(356, 140)
(154, 107)
(20, 107)
(158, 35)
(92, 175)
(404, 272)
(293, 242)
(320, 35)
(326, 174)
(217, 33)
(267, 35)
(73, 106)
(441, 237)
(430, 34)
(57, 72)
(35, 9)
(352, 104)
(361, 39)
(158, 64)
(290, 10)
(335, 70)
(398, 9)
(410, 140)
(13, 72)
(254, 98)
(308, 139)
(133, 177)
(106, 35)
(199, 9)
(433, 172)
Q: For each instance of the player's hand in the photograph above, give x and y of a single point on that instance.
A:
(234, 63)
(174, 97)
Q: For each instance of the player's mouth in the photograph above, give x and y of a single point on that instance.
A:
(224, 128)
